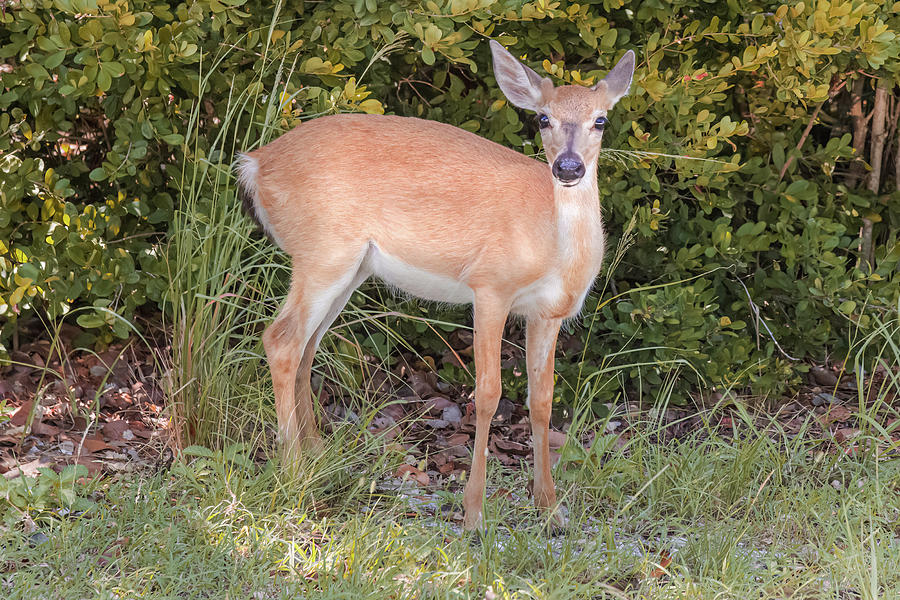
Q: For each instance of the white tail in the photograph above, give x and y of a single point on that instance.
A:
(445, 215)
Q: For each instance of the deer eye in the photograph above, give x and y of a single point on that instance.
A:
(543, 121)
(600, 123)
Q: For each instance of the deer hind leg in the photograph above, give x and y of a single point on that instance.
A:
(490, 317)
(540, 345)
(291, 341)
(303, 388)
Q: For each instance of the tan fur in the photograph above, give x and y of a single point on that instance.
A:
(448, 215)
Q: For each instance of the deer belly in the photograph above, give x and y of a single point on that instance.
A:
(416, 281)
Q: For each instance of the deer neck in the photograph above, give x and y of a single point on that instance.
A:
(582, 197)
(579, 227)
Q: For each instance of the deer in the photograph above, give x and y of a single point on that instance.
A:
(445, 215)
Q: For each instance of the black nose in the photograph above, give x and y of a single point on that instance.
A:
(568, 167)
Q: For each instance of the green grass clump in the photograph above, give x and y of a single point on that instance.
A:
(708, 517)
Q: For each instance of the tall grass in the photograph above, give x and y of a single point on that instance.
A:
(223, 284)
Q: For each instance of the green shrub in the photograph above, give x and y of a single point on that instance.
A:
(732, 160)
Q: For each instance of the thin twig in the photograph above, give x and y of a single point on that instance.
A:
(759, 319)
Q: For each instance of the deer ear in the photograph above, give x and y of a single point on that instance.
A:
(519, 84)
(618, 80)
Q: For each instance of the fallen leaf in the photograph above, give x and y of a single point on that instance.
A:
(664, 561)
(423, 383)
(505, 409)
(113, 430)
(394, 411)
(144, 433)
(21, 415)
(510, 446)
(835, 413)
(114, 550)
(845, 433)
(501, 493)
(44, 429)
(557, 439)
(436, 404)
(451, 414)
(387, 433)
(95, 445)
(94, 467)
(413, 473)
(458, 439)
(503, 457)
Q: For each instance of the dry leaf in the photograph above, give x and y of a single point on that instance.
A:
(413, 473)
(436, 404)
(664, 561)
(21, 415)
(835, 413)
(95, 445)
(510, 446)
(44, 429)
(113, 430)
(845, 433)
(458, 439)
(501, 493)
(557, 439)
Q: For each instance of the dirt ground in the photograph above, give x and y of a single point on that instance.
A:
(107, 412)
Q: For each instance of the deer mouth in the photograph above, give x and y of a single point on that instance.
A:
(568, 169)
(568, 182)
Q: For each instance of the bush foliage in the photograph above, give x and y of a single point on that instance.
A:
(749, 198)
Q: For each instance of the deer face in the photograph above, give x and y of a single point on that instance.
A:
(571, 118)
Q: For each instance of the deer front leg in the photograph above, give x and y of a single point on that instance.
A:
(540, 342)
(490, 317)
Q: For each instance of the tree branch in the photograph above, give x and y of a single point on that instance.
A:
(812, 120)
(873, 182)
(860, 132)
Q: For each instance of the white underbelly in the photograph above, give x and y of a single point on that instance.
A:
(416, 281)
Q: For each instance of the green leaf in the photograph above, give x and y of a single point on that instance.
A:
(104, 80)
(427, 55)
(198, 451)
(55, 59)
(29, 271)
(847, 307)
(37, 71)
(173, 139)
(433, 35)
(90, 320)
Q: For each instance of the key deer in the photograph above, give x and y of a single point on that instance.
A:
(445, 215)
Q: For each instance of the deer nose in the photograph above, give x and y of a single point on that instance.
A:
(568, 168)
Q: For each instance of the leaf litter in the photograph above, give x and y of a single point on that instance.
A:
(104, 411)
